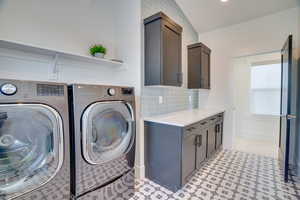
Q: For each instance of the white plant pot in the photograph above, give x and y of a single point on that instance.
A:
(99, 55)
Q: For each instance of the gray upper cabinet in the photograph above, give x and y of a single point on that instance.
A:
(198, 66)
(163, 41)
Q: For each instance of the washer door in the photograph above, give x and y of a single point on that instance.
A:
(31, 147)
(107, 131)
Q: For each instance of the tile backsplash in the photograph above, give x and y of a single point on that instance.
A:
(162, 100)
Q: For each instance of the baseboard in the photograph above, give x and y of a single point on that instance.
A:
(140, 171)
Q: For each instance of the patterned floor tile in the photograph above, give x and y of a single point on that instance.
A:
(231, 175)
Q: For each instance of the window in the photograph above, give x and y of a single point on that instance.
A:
(265, 89)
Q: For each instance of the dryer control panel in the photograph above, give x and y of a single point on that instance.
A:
(127, 91)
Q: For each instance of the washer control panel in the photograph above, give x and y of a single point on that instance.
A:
(127, 91)
(8, 89)
(111, 92)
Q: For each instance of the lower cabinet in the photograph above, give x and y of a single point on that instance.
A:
(173, 153)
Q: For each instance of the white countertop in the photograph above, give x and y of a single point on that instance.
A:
(185, 117)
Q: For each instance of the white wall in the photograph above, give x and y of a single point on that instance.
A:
(260, 35)
(64, 25)
(72, 26)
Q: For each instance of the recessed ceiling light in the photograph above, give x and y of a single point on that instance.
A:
(224, 0)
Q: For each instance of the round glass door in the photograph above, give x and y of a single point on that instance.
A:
(108, 131)
(31, 147)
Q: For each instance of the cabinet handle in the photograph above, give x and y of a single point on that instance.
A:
(196, 140)
(200, 141)
(3, 115)
(191, 129)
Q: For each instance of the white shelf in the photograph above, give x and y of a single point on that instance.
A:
(56, 54)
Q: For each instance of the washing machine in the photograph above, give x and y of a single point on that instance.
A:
(34, 141)
(102, 141)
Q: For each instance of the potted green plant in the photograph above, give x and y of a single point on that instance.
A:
(98, 50)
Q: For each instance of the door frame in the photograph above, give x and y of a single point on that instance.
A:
(289, 43)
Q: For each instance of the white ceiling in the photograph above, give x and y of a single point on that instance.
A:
(207, 15)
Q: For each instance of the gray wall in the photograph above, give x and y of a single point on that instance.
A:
(174, 99)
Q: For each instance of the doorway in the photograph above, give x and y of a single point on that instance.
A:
(257, 92)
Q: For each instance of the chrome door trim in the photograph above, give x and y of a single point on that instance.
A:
(289, 117)
(60, 141)
(85, 115)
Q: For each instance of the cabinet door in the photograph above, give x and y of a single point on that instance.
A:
(205, 69)
(171, 57)
(188, 157)
(211, 140)
(201, 147)
(219, 135)
(194, 67)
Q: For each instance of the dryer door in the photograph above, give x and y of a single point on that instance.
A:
(107, 131)
(31, 147)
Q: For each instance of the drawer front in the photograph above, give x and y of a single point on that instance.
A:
(203, 124)
(213, 120)
(220, 117)
(190, 130)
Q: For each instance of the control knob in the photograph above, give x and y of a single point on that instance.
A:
(111, 92)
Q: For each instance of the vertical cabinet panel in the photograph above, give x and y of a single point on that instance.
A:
(198, 66)
(201, 147)
(205, 69)
(194, 73)
(219, 132)
(163, 154)
(188, 156)
(210, 141)
(171, 58)
(153, 53)
(211, 138)
(163, 41)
